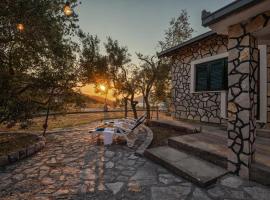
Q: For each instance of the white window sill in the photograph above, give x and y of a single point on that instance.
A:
(211, 91)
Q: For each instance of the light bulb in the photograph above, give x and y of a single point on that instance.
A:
(67, 9)
(20, 27)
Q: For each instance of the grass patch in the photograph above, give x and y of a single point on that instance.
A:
(66, 121)
(9, 142)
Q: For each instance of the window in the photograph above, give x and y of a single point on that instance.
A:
(211, 76)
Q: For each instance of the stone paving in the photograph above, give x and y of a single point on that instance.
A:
(72, 166)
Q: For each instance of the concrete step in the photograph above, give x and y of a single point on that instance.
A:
(260, 173)
(190, 167)
(209, 147)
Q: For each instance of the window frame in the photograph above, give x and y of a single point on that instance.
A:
(193, 72)
(208, 68)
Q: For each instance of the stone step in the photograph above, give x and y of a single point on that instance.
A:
(260, 173)
(192, 168)
(209, 147)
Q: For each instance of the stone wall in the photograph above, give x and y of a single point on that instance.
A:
(242, 93)
(196, 106)
(268, 86)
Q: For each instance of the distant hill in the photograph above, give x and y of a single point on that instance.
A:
(98, 100)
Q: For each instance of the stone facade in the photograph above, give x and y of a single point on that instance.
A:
(243, 67)
(242, 95)
(268, 87)
(196, 106)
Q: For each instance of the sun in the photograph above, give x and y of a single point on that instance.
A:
(102, 87)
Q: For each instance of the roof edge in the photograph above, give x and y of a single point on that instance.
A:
(231, 8)
(188, 42)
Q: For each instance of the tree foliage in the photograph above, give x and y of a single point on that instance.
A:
(152, 78)
(113, 68)
(178, 31)
(37, 64)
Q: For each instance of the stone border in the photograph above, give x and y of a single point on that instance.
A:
(23, 153)
(147, 142)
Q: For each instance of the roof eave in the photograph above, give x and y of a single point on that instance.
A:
(233, 7)
(171, 50)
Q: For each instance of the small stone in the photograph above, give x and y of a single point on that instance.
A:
(122, 178)
(216, 192)
(131, 162)
(47, 181)
(62, 177)
(132, 157)
(61, 192)
(134, 187)
(168, 178)
(199, 195)
(127, 173)
(52, 161)
(18, 177)
(232, 182)
(101, 187)
(115, 187)
(169, 193)
(109, 165)
(109, 154)
(258, 192)
(237, 194)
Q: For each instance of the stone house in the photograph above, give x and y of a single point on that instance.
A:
(223, 76)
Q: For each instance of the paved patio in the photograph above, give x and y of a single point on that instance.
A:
(72, 166)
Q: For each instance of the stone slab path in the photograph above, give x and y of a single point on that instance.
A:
(72, 166)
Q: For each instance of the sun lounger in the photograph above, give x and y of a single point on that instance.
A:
(118, 130)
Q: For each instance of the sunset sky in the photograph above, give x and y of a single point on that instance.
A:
(139, 24)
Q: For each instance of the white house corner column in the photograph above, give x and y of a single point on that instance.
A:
(242, 99)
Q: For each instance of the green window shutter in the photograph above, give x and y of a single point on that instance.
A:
(216, 75)
(201, 77)
(212, 76)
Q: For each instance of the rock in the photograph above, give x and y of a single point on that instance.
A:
(216, 192)
(109, 165)
(127, 173)
(168, 179)
(146, 175)
(258, 192)
(47, 181)
(169, 193)
(134, 186)
(132, 157)
(109, 154)
(131, 162)
(232, 182)
(61, 192)
(122, 178)
(115, 187)
(18, 177)
(199, 195)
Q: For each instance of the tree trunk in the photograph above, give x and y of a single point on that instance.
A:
(126, 104)
(133, 106)
(45, 125)
(148, 108)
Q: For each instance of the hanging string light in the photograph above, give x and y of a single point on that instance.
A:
(67, 9)
(20, 27)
